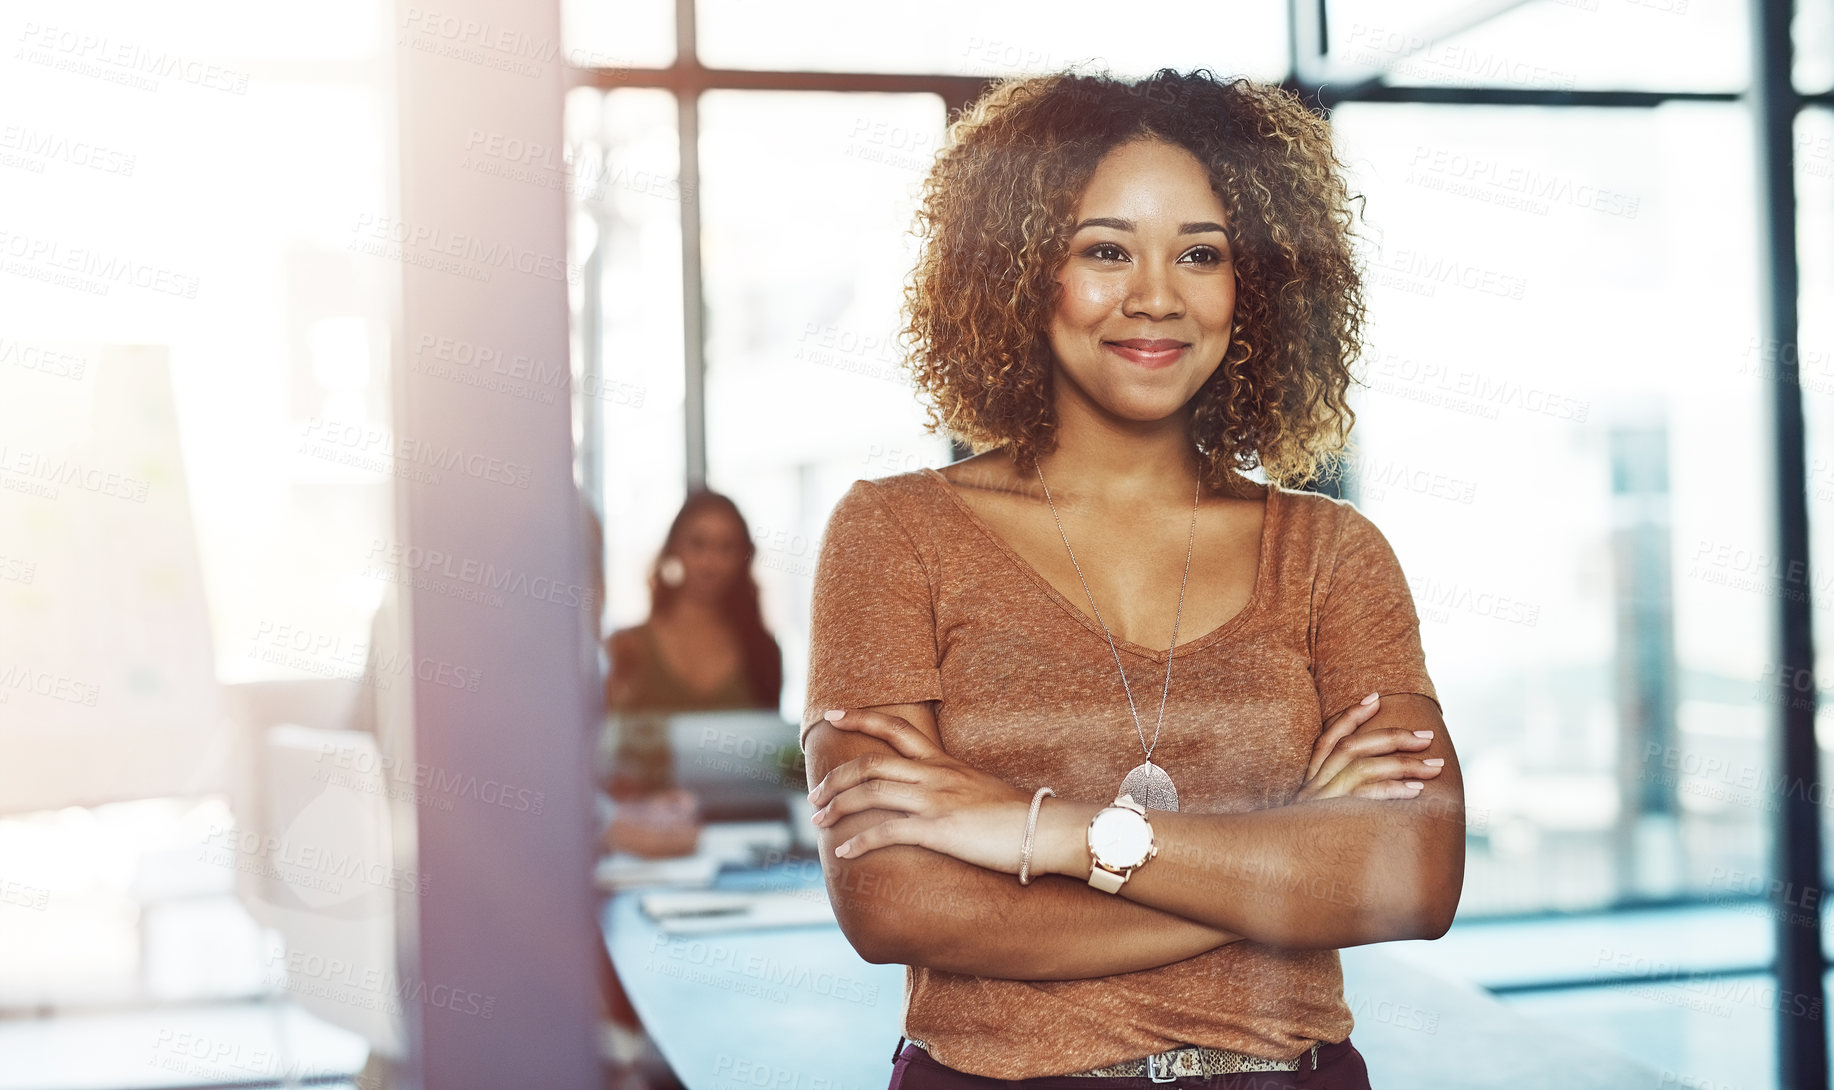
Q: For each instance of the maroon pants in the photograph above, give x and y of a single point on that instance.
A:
(1340, 1067)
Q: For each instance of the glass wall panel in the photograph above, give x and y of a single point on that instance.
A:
(807, 205)
(1673, 45)
(621, 170)
(1564, 438)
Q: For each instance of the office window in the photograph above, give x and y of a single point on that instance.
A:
(807, 201)
(963, 37)
(1557, 436)
(1619, 45)
(1565, 430)
(1815, 358)
(630, 33)
(626, 194)
(237, 317)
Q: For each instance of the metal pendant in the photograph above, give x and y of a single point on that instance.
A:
(1150, 787)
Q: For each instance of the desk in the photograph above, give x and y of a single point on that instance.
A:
(797, 1009)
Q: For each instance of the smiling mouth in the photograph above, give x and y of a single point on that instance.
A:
(1147, 352)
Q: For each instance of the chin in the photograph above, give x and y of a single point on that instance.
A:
(1143, 412)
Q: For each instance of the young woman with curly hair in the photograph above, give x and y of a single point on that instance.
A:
(1130, 294)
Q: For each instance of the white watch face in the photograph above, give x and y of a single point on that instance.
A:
(1120, 838)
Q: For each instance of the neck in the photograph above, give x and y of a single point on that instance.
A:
(1100, 457)
(695, 610)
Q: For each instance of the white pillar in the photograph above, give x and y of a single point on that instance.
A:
(485, 481)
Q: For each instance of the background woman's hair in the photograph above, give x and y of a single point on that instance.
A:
(763, 657)
(995, 226)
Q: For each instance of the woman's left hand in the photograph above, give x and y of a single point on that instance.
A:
(947, 806)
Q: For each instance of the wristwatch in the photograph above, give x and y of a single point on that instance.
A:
(1120, 841)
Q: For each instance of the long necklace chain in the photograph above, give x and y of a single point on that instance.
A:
(1098, 613)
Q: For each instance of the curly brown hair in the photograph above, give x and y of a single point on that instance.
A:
(995, 225)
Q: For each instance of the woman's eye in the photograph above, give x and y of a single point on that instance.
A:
(1105, 251)
(1205, 255)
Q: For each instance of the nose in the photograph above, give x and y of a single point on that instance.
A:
(1152, 293)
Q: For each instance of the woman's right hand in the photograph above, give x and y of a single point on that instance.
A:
(1373, 764)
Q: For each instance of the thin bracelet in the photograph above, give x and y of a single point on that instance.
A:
(1031, 827)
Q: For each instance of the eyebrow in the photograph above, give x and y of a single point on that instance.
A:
(1129, 225)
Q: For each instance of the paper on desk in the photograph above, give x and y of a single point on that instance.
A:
(699, 912)
(625, 871)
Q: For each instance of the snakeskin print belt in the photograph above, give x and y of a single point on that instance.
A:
(1193, 1060)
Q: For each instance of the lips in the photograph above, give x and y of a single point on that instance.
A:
(1147, 352)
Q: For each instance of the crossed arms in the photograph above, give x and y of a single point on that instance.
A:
(1319, 873)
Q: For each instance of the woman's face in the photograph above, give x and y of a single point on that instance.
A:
(1148, 287)
(712, 551)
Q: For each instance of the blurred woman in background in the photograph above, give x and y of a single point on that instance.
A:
(704, 647)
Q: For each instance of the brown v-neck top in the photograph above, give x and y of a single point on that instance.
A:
(917, 598)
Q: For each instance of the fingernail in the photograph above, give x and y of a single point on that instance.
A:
(832, 714)
(1423, 734)
(1434, 761)
(841, 850)
(1415, 784)
(1371, 698)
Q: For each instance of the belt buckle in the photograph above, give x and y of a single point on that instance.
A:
(1168, 1076)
